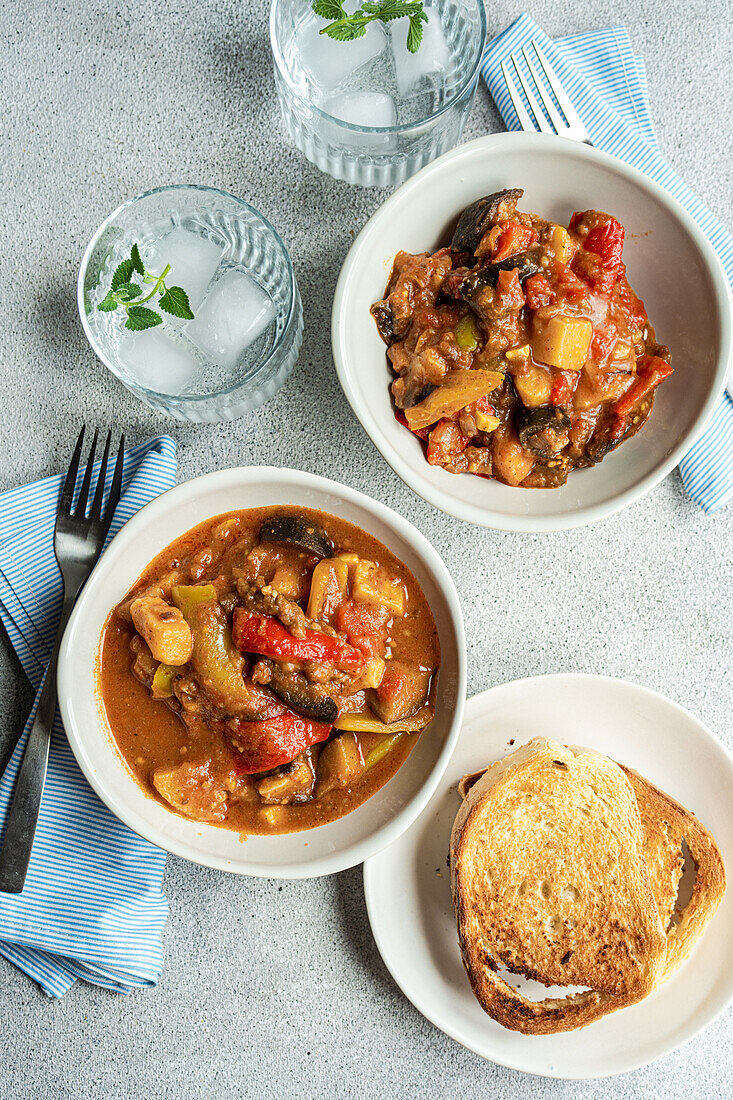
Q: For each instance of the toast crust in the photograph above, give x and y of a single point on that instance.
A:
(666, 825)
(578, 910)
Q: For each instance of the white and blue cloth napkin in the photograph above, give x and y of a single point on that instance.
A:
(607, 85)
(92, 906)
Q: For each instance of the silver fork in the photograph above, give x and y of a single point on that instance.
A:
(78, 542)
(552, 122)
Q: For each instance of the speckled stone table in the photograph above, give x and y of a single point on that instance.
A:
(276, 988)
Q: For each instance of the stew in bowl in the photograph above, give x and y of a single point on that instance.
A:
(270, 670)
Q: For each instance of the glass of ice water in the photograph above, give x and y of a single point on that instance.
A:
(247, 325)
(368, 111)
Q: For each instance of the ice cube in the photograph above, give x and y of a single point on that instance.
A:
(193, 259)
(432, 59)
(234, 313)
(157, 360)
(328, 62)
(362, 108)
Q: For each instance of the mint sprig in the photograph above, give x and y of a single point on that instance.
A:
(345, 26)
(125, 292)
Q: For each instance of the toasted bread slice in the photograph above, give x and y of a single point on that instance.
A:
(666, 826)
(549, 881)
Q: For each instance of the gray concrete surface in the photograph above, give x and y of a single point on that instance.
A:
(277, 989)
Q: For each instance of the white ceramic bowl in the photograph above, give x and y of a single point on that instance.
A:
(321, 851)
(670, 264)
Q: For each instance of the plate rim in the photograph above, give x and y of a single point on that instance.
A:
(474, 703)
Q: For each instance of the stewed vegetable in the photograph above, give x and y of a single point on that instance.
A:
(270, 670)
(520, 352)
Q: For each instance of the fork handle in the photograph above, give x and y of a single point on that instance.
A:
(26, 803)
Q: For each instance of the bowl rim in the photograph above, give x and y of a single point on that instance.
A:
(193, 399)
(444, 500)
(189, 492)
(404, 127)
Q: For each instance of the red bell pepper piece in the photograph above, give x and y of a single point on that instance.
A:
(268, 637)
(651, 372)
(422, 433)
(264, 745)
(538, 291)
(514, 238)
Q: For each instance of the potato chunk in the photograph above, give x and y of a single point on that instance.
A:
(192, 790)
(562, 341)
(164, 629)
(339, 764)
(372, 585)
(403, 690)
(292, 783)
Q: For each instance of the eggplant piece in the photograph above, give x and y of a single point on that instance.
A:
(534, 424)
(480, 216)
(297, 531)
(489, 275)
(384, 317)
(297, 693)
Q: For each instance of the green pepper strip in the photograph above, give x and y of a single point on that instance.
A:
(380, 751)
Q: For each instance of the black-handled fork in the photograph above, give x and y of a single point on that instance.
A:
(78, 541)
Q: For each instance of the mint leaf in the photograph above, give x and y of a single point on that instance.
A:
(122, 274)
(127, 291)
(136, 260)
(175, 301)
(328, 9)
(350, 25)
(140, 317)
(108, 304)
(414, 34)
(344, 32)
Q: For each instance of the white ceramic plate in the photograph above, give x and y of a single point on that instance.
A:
(320, 851)
(670, 264)
(408, 884)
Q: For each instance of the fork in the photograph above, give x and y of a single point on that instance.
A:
(78, 542)
(549, 121)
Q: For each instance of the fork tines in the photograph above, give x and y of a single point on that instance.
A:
(564, 122)
(66, 499)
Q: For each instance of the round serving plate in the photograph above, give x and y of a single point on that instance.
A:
(408, 884)
(670, 264)
(328, 848)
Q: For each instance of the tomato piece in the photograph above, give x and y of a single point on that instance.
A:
(598, 262)
(365, 626)
(261, 746)
(563, 387)
(601, 344)
(568, 284)
(607, 241)
(538, 291)
(630, 300)
(446, 440)
(514, 238)
(269, 638)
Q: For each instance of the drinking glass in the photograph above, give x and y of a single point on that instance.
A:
(247, 328)
(367, 111)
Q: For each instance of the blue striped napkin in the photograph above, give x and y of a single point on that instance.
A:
(92, 906)
(607, 84)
